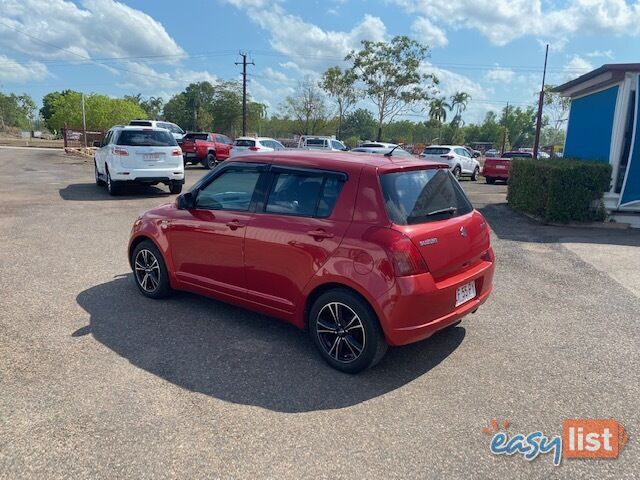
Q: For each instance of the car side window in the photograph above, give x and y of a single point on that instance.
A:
(227, 140)
(277, 145)
(268, 143)
(232, 190)
(337, 145)
(303, 194)
(461, 152)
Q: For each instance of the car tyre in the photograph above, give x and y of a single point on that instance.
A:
(475, 174)
(150, 271)
(99, 181)
(210, 161)
(490, 180)
(346, 331)
(456, 172)
(175, 187)
(111, 187)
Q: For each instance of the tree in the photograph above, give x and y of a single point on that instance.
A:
(102, 112)
(308, 107)
(438, 109)
(459, 101)
(360, 123)
(390, 72)
(153, 107)
(520, 125)
(16, 111)
(340, 85)
(555, 106)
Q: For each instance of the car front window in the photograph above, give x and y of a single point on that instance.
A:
(232, 190)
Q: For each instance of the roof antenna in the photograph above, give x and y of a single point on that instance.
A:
(390, 153)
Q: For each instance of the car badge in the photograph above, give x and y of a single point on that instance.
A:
(428, 241)
(463, 231)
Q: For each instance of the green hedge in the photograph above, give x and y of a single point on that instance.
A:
(559, 190)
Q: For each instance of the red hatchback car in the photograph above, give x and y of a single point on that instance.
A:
(364, 251)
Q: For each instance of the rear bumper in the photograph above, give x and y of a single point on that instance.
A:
(418, 306)
(122, 175)
(193, 157)
(495, 172)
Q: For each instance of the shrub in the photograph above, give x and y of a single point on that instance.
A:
(559, 190)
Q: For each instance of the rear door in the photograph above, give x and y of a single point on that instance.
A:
(207, 241)
(243, 145)
(293, 234)
(430, 207)
(148, 148)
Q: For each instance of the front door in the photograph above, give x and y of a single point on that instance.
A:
(207, 241)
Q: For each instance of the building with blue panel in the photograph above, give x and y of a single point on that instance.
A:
(604, 126)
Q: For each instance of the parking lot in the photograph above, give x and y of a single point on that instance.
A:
(98, 381)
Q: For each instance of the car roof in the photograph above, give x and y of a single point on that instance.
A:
(256, 138)
(340, 161)
(138, 127)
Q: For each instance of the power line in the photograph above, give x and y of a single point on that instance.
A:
(244, 64)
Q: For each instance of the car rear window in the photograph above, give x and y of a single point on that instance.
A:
(517, 155)
(421, 196)
(316, 142)
(140, 123)
(245, 143)
(196, 136)
(436, 151)
(146, 138)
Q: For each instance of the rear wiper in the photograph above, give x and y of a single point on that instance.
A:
(450, 210)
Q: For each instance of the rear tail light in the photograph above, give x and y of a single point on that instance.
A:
(448, 157)
(254, 149)
(176, 152)
(488, 256)
(120, 151)
(401, 251)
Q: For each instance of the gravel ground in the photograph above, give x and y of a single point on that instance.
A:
(98, 382)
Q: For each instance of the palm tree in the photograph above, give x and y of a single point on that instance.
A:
(438, 109)
(459, 101)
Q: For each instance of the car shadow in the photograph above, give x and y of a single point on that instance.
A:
(239, 356)
(91, 192)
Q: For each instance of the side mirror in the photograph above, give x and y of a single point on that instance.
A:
(97, 143)
(186, 201)
(476, 154)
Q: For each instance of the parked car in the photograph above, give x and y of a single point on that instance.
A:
(364, 251)
(142, 155)
(458, 158)
(321, 143)
(499, 168)
(205, 148)
(474, 153)
(255, 144)
(377, 145)
(394, 151)
(492, 152)
(543, 155)
(175, 130)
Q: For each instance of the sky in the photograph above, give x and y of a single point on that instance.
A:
(491, 49)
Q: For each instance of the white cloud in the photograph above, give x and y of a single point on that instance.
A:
(576, 66)
(14, 72)
(500, 75)
(142, 77)
(275, 76)
(601, 54)
(97, 28)
(502, 21)
(427, 32)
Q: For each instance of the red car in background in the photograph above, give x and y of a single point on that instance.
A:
(205, 148)
(498, 168)
(363, 251)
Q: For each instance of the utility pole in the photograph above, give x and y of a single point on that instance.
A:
(84, 123)
(504, 131)
(536, 144)
(244, 64)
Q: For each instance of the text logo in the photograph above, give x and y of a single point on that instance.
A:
(593, 438)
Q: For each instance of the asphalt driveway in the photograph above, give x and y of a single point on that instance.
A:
(98, 382)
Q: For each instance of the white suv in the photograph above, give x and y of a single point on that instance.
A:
(143, 155)
(460, 161)
(255, 144)
(317, 142)
(175, 130)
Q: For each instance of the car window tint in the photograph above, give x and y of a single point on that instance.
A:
(436, 151)
(146, 138)
(140, 123)
(337, 145)
(278, 145)
(196, 136)
(330, 193)
(244, 143)
(421, 196)
(232, 190)
(303, 194)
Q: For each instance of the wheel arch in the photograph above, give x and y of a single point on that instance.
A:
(137, 241)
(318, 290)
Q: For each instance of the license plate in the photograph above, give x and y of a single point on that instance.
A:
(501, 167)
(465, 293)
(191, 154)
(151, 156)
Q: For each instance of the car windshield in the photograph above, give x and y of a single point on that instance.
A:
(140, 123)
(420, 196)
(244, 143)
(146, 138)
(436, 151)
(196, 136)
(316, 142)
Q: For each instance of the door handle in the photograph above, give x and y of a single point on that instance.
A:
(234, 224)
(320, 234)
